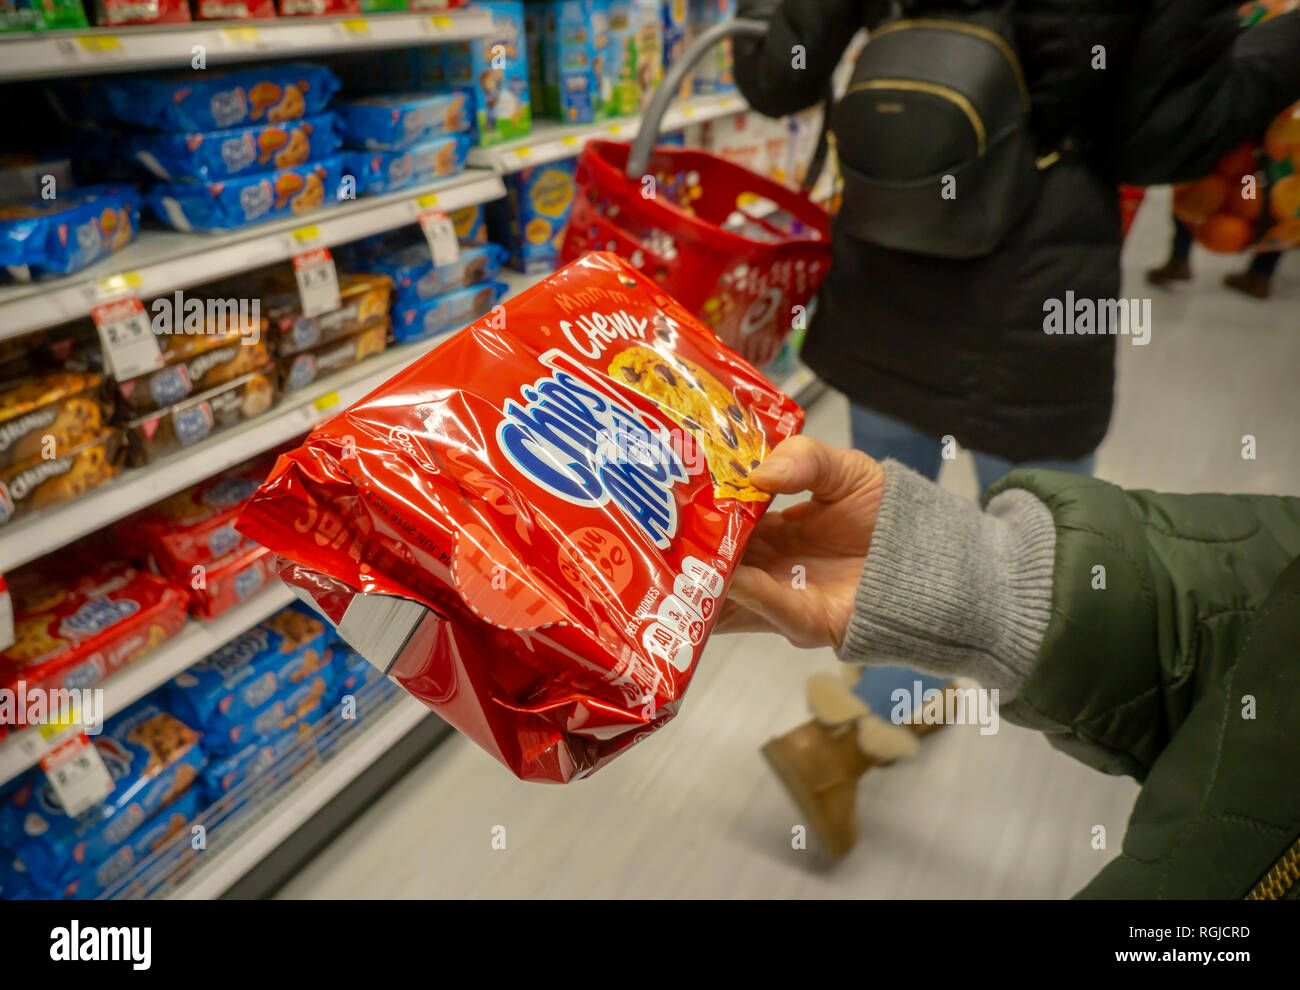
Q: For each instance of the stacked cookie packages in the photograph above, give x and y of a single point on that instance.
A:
(532, 529)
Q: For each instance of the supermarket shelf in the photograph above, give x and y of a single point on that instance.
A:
(309, 794)
(46, 54)
(47, 531)
(550, 142)
(199, 638)
(29, 538)
(160, 261)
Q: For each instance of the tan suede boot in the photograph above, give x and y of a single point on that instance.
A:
(821, 761)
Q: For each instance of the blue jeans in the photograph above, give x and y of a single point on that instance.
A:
(881, 437)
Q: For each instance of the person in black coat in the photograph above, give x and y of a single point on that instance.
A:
(931, 349)
(1138, 92)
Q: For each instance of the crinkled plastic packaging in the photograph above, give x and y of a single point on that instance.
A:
(532, 528)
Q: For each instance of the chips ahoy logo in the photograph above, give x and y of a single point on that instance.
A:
(95, 615)
(582, 444)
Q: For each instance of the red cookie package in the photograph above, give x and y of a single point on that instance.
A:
(73, 633)
(196, 526)
(533, 526)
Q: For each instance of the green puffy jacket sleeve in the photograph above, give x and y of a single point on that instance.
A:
(1152, 598)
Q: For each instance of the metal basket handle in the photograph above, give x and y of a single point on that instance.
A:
(638, 159)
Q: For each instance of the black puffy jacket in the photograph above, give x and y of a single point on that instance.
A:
(958, 347)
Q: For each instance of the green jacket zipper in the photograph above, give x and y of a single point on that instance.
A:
(1281, 880)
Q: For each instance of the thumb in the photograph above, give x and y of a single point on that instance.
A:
(803, 464)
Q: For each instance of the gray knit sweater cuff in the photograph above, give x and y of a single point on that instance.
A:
(952, 590)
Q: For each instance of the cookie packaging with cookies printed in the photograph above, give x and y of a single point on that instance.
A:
(73, 632)
(536, 522)
(153, 758)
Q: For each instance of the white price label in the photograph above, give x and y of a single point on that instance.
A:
(440, 232)
(130, 348)
(318, 282)
(77, 773)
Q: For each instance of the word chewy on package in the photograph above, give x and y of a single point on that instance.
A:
(532, 528)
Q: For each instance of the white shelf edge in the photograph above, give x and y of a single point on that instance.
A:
(319, 787)
(160, 261)
(48, 54)
(552, 141)
(803, 380)
(196, 640)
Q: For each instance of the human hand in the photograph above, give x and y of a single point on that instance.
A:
(827, 536)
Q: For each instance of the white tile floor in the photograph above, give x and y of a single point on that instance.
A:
(694, 812)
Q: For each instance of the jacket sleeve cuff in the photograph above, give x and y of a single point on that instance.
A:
(952, 590)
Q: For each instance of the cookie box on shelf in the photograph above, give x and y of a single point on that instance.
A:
(304, 368)
(248, 199)
(39, 482)
(62, 408)
(186, 423)
(215, 155)
(446, 311)
(74, 633)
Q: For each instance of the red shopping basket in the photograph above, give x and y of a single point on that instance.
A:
(743, 252)
(1130, 198)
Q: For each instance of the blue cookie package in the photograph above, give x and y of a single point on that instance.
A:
(471, 228)
(214, 155)
(154, 835)
(357, 673)
(388, 171)
(223, 689)
(215, 100)
(418, 279)
(249, 199)
(152, 756)
(366, 687)
(446, 311)
(289, 707)
(266, 758)
(395, 121)
(59, 236)
(14, 882)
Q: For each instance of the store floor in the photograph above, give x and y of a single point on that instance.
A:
(694, 812)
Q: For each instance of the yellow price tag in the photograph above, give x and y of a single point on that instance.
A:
(356, 25)
(304, 235)
(688, 111)
(524, 152)
(100, 43)
(441, 23)
(242, 35)
(327, 401)
(53, 727)
(125, 282)
(616, 129)
(571, 141)
(427, 201)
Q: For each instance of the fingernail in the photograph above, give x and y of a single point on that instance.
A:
(773, 469)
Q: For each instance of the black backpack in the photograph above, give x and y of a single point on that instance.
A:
(933, 134)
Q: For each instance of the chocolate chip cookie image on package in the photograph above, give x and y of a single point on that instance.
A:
(732, 440)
